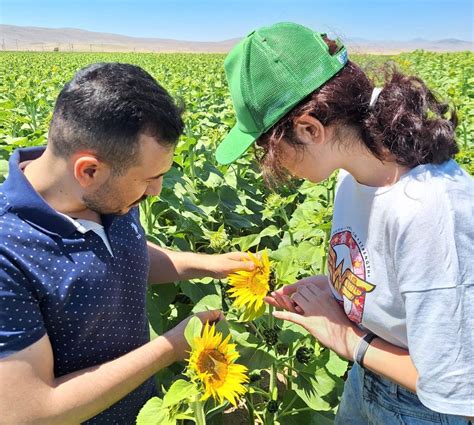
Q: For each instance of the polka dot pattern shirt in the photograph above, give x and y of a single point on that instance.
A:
(58, 281)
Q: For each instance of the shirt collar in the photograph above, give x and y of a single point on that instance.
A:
(28, 204)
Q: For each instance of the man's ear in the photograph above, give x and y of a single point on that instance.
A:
(89, 171)
(309, 130)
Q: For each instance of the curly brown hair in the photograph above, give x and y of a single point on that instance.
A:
(407, 121)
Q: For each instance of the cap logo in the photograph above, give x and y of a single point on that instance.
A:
(342, 57)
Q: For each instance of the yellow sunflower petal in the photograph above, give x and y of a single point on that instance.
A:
(212, 363)
(248, 288)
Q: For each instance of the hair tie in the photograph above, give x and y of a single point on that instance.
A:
(375, 94)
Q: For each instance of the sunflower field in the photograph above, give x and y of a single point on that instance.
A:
(250, 368)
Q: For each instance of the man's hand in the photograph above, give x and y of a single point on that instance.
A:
(171, 266)
(221, 265)
(176, 335)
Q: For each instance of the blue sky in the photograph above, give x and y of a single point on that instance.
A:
(212, 20)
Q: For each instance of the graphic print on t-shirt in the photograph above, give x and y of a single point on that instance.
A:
(348, 274)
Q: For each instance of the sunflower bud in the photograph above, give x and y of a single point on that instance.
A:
(282, 349)
(271, 336)
(304, 354)
(272, 280)
(255, 376)
(272, 406)
(273, 201)
(219, 239)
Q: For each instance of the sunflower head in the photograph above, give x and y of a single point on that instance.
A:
(249, 288)
(212, 364)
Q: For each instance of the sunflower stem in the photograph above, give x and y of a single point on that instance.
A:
(295, 411)
(251, 408)
(257, 332)
(288, 407)
(198, 408)
(287, 222)
(291, 363)
(273, 396)
(262, 392)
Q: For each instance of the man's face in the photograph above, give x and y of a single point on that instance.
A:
(121, 193)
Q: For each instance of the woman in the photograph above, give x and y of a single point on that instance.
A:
(399, 295)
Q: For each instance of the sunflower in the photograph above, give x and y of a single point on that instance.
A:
(212, 363)
(249, 288)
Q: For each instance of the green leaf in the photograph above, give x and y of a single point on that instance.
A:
(270, 231)
(223, 327)
(246, 242)
(308, 418)
(193, 330)
(179, 391)
(256, 358)
(197, 291)
(3, 169)
(209, 302)
(305, 386)
(163, 295)
(336, 365)
(153, 413)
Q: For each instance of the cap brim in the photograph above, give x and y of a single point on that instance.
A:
(234, 145)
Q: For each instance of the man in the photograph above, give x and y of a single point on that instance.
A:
(74, 259)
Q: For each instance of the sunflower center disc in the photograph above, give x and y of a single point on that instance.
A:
(214, 363)
(256, 286)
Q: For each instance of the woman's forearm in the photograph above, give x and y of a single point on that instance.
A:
(388, 360)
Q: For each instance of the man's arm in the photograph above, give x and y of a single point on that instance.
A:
(170, 266)
(30, 394)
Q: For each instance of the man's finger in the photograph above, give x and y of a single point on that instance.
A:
(245, 265)
(210, 316)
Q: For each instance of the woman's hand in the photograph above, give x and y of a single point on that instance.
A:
(309, 303)
(282, 298)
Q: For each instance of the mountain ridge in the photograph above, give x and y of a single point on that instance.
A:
(14, 37)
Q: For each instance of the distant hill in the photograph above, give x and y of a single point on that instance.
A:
(71, 39)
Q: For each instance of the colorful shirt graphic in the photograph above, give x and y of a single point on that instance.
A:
(347, 271)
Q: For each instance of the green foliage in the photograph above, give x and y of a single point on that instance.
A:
(206, 207)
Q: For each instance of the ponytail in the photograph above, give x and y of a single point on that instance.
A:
(409, 122)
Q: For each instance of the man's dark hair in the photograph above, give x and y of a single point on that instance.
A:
(106, 107)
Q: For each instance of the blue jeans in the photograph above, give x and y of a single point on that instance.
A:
(370, 399)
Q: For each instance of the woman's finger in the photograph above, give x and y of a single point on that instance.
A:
(272, 301)
(298, 309)
(291, 317)
(301, 302)
(288, 303)
(288, 289)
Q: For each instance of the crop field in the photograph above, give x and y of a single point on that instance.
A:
(209, 208)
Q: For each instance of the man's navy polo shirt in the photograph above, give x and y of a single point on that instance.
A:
(55, 280)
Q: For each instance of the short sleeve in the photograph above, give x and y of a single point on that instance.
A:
(440, 331)
(21, 321)
(436, 279)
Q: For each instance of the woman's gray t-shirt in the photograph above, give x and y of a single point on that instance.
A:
(401, 262)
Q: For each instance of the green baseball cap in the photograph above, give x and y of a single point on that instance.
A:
(269, 72)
